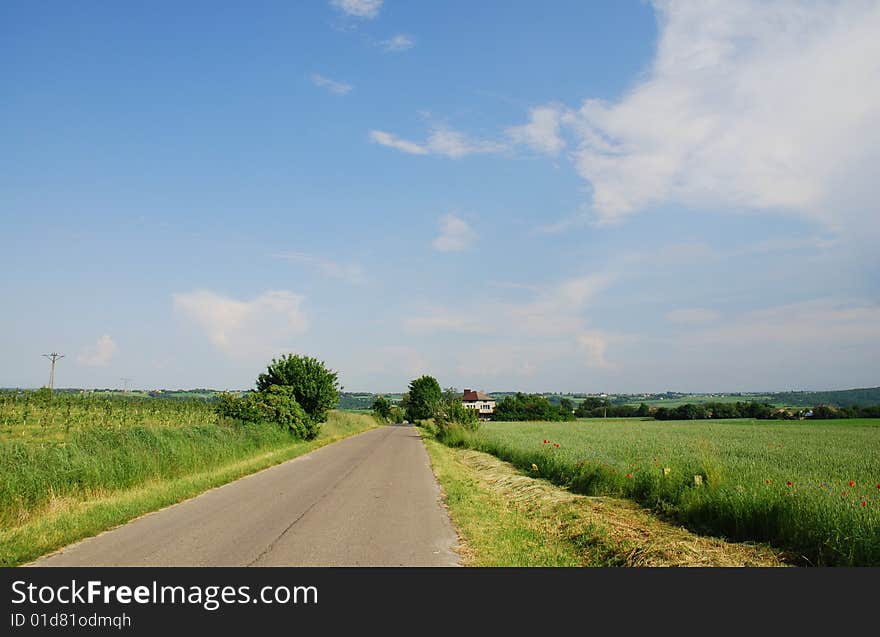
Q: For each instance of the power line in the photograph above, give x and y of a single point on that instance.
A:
(125, 382)
(54, 356)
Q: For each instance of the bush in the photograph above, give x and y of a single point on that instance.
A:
(276, 405)
(453, 412)
(314, 386)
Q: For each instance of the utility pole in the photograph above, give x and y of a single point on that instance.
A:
(54, 356)
(125, 382)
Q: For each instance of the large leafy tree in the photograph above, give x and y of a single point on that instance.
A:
(382, 407)
(315, 387)
(424, 398)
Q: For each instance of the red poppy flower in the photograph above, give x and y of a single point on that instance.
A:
(788, 483)
(546, 441)
(557, 445)
(864, 504)
(851, 483)
(767, 481)
(629, 475)
(878, 486)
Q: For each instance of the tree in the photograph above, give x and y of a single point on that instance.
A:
(644, 410)
(382, 407)
(588, 407)
(424, 398)
(315, 387)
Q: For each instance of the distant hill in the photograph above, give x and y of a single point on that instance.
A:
(841, 398)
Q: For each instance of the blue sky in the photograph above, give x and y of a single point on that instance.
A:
(621, 196)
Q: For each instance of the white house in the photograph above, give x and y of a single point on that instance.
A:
(483, 403)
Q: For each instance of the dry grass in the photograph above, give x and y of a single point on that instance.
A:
(601, 530)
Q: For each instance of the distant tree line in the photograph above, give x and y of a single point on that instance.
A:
(533, 407)
(701, 411)
(853, 411)
(864, 397)
(593, 407)
(762, 411)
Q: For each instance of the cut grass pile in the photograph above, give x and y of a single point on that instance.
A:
(810, 488)
(507, 518)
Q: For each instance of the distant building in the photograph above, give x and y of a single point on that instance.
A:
(483, 403)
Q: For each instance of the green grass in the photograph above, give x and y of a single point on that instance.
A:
(54, 493)
(820, 516)
(507, 518)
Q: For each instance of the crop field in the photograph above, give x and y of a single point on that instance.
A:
(810, 488)
(32, 416)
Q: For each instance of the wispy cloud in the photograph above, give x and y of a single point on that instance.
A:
(337, 88)
(542, 132)
(456, 234)
(100, 354)
(519, 339)
(821, 322)
(442, 141)
(351, 273)
(437, 320)
(393, 141)
(398, 43)
(366, 9)
(242, 328)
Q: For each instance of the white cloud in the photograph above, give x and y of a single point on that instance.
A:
(692, 315)
(393, 141)
(748, 104)
(350, 273)
(337, 88)
(242, 328)
(541, 134)
(820, 344)
(442, 141)
(99, 354)
(542, 334)
(367, 9)
(819, 323)
(398, 43)
(455, 234)
(497, 359)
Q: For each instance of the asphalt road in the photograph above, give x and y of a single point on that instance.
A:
(367, 500)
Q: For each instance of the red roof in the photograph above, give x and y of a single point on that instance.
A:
(471, 395)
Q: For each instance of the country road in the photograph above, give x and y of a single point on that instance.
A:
(368, 500)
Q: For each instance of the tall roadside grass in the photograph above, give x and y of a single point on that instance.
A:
(99, 459)
(812, 489)
(83, 513)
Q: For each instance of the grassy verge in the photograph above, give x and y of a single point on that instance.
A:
(506, 518)
(809, 488)
(68, 514)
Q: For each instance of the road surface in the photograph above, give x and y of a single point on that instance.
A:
(367, 500)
